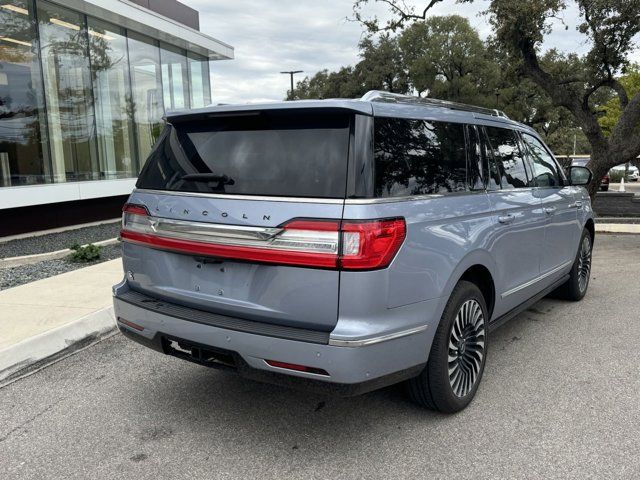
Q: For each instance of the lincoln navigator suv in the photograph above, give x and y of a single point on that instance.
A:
(345, 245)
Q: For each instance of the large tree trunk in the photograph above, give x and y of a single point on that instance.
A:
(599, 166)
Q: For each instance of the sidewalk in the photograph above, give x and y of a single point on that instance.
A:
(42, 318)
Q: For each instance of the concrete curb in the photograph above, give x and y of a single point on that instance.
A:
(43, 349)
(39, 257)
(618, 228)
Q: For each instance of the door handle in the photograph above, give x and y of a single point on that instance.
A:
(508, 218)
(578, 204)
(549, 210)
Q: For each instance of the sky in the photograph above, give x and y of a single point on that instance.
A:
(271, 36)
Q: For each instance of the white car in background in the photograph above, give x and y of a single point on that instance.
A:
(632, 175)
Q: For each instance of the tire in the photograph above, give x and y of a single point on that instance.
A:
(433, 388)
(576, 287)
(605, 189)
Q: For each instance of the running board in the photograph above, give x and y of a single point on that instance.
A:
(498, 322)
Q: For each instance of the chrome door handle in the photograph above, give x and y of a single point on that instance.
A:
(508, 218)
(578, 204)
(549, 210)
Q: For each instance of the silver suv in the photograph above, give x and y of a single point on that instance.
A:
(344, 245)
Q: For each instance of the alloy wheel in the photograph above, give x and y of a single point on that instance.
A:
(584, 264)
(466, 348)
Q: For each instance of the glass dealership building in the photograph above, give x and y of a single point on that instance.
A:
(84, 85)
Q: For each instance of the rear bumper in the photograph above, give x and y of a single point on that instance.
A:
(362, 366)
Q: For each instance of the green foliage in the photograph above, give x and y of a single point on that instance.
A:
(612, 109)
(446, 59)
(85, 254)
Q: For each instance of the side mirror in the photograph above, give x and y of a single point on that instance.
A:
(580, 175)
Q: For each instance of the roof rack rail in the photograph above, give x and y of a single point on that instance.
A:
(382, 96)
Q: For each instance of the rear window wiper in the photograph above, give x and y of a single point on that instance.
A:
(208, 177)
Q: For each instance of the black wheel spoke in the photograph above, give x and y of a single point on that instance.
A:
(466, 348)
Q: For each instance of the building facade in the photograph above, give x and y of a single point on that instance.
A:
(84, 85)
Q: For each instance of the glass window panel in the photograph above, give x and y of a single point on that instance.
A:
(506, 151)
(175, 78)
(200, 83)
(144, 64)
(67, 80)
(23, 152)
(416, 157)
(545, 170)
(112, 97)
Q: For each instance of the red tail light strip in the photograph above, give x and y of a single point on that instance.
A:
(347, 244)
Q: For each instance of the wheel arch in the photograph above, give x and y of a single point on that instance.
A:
(478, 268)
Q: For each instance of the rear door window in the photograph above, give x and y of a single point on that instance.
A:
(417, 157)
(265, 153)
(506, 153)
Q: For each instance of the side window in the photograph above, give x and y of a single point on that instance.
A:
(506, 152)
(493, 174)
(477, 160)
(545, 169)
(416, 157)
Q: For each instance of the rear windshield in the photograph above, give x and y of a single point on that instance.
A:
(274, 154)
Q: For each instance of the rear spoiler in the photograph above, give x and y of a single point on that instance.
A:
(321, 106)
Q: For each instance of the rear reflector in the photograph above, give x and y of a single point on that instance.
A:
(319, 243)
(135, 326)
(297, 368)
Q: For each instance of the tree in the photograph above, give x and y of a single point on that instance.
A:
(446, 59)
(380, 68)
(574, 83)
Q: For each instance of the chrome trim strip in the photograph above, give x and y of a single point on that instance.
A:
(370, 341)
(258, 198)
(409, 198)
(536, 280)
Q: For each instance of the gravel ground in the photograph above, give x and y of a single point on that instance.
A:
(58, 241)
(559, 399)
(14, 276)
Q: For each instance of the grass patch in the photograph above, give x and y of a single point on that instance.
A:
(85, 254)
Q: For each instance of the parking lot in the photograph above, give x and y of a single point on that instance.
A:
(559, 399)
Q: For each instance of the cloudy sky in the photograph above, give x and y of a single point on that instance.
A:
(308, 35)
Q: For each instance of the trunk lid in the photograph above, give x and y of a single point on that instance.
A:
(233, 181)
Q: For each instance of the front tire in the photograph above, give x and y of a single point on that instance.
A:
(576, 287)
(456, 361)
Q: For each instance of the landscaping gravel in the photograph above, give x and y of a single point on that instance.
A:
(58, 241)
(14, 276)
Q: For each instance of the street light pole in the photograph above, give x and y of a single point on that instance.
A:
(291, 73)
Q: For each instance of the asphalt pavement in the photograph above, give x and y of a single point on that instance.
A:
(560, 399)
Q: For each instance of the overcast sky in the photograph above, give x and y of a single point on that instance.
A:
(309, 35)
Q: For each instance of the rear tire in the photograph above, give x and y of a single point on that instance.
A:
(576, 287)
(456, 362)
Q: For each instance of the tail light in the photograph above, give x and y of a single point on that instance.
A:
(334, 244)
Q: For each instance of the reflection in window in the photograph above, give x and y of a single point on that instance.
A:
(144, 59)
(175, 79)
(415, 157)
(506, 152)
(200, 83)
(114, 112)
(65, 63)
(23, 153)
(545, 171)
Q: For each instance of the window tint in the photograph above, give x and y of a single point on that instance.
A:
(545, 171)
(415, 157)
(274, 154)
(506, 152)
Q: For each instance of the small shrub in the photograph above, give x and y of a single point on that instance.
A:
(615, 176)
(88, 253)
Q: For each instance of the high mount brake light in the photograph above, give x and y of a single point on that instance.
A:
(319, 243)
